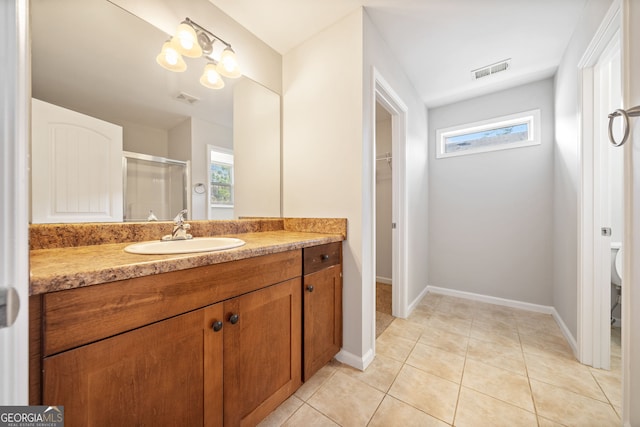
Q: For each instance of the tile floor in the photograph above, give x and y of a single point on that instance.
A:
(383, 307)
(457, 362)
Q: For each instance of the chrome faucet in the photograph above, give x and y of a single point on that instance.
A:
(179, 228)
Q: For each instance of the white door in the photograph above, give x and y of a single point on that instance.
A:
(76, 166)
(14, 196)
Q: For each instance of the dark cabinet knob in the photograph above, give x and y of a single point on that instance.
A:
(234, 319)
(217, 325)
(324, 257)
(310, 288)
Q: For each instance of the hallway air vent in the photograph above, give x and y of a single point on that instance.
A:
(498, 67)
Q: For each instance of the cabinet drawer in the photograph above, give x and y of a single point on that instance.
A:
(79, 316)
(318, 257)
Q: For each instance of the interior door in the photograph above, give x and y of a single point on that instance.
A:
(76, 166)
(14, 191)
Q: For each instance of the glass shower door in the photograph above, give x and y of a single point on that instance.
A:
(154, 185)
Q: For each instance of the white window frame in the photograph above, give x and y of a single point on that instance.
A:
(225, 152)
(531, 117)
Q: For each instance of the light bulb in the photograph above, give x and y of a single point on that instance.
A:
(170, 59)
(228, 64)
(210, 77)
(186, 41)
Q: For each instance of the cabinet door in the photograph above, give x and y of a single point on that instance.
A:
(322, 318)
(152, 376)
(262, 351)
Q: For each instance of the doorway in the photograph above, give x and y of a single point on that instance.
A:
(387, 103)
(384, 218)
(601, 216)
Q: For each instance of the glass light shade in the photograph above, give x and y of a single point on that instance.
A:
(228, 64)
(210, 77)
(170, 59)
(186, 41)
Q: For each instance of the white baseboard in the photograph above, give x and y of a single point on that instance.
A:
(413, 304)
(354, 361)
(573, 343)
(492, 300)
(385, 280)
(514, 304)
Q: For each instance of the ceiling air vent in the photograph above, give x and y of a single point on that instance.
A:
(185, 97)
(498, 67)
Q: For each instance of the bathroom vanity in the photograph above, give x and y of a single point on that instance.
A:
(212, 339)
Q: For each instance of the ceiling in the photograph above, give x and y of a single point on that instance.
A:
(437, 42)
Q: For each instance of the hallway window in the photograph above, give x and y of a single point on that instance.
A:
(500, 133)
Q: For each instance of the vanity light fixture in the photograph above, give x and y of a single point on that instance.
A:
(194, 41)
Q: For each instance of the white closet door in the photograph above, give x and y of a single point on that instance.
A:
(76, 166)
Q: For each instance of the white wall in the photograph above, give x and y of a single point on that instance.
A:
(322, 147)
(256, 149)
(566, 173)
(383, 201)
(378, 54)
(188, 141)
(328, 158)
(144, 139)
(490, 214)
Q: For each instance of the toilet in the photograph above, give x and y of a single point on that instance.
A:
(616, 264)
(616, 275)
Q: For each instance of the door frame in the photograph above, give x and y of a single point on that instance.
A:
(14, 193)
(385, 95)
(593, 302)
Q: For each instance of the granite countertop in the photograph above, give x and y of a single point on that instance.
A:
(73, 267)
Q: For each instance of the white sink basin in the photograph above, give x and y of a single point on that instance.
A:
(197, 244)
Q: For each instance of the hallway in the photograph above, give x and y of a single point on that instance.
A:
(463, 363)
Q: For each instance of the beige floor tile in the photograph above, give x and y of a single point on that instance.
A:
(570, 376)
(495, 335)
(498, 383)
(571, 409)
(383, 320)
(346, 401)
(430, 300)
(479, 410)
(420, 315)
(495, 324)
(405, 329)
(437, 362)
(429, 393)
(282, 413)
(393, 412)
(542, 344)
(451, 324)
(379, 374)
(501, 356)
(543, 422)
(315, 382)
(309, 417)
(445, 340)
(393, 346)
(611, 384)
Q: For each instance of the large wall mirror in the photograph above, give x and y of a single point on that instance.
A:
(98, 59)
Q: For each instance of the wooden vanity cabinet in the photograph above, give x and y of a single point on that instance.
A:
(150, 376)
(229, 362)
(322, 306)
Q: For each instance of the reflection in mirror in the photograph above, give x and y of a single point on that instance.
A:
(98, 59)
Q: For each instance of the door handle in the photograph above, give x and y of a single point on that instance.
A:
(9, 306)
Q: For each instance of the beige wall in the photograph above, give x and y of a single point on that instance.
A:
(322, 147)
